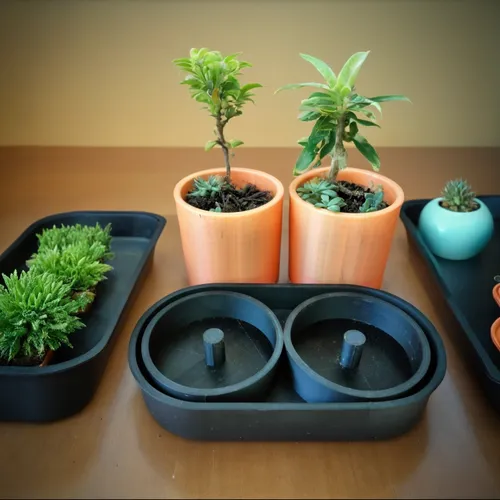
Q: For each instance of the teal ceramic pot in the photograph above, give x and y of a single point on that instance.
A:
(455, 235)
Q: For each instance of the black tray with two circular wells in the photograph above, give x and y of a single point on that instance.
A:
(275, 411)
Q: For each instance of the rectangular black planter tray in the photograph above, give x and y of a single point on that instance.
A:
(284, 416)
(467, 288)
(68, 383)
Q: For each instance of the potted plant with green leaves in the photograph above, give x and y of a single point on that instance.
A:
(229, 218)
(342, 219)
(456, 225)
(37, 317)
(79, 265)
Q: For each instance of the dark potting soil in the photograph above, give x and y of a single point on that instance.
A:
(354, 196)
(232, 199)
(23, 361)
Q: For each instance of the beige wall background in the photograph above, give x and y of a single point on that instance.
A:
(99, 72)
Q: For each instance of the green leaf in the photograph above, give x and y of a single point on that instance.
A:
(323, 68)
(333, 208)
(325, 198)
(304, 160)
(318, 101)
(209, 145)
(328, 144)
(367, 150)
(366, 123)
(349, 72)
(293, 86)
(235, 143)
(330, 192)
(250, 86)
(369, 114)
(386, 98)
(307, 116)
(359, 102)
(320, 131)
(303, 141)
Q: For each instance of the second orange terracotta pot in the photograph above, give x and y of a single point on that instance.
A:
(495, 327)
(240, 247)
(342, 248)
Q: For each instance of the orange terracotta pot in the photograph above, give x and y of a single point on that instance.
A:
(328, 247)
(495, 327)
(47, 359)
(240, 247)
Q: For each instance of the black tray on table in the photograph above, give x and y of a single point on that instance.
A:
(67, 384)
(282, 415)
(467, 288)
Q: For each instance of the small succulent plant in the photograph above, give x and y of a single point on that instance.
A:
(322, 194)
(37, 314)
(459, 197)
(63, 236)
(78, 265)
(373, 201)
(213, 81)
(209, 188)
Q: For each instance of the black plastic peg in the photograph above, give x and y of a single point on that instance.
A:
(215, 349)
(352, 348)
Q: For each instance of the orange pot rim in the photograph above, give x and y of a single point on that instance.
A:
(496, 293)
(395, 205)
(495, 333)
(278, 196)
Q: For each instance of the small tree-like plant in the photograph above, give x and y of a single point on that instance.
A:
(458, 196)
(37, 314)
(337, 111)
(213, 81)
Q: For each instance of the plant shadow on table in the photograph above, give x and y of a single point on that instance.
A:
(251, 469)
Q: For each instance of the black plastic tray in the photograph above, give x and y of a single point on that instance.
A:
(284, 416)
(467, 287)
(65, 386)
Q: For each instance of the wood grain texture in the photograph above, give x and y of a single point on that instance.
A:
(114, 448)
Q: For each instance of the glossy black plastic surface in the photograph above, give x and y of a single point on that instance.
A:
(467, 288)
(396, 351)
(283, 415)
(173, 349)
(68, 383)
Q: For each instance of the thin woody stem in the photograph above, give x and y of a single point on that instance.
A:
(222, 143)
(339, 154)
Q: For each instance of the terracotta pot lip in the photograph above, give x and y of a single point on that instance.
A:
(459, 214)
(280, 191)
(495, 333)
(326, 213)
(496, 293)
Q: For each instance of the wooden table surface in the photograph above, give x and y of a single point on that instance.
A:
(114, 448)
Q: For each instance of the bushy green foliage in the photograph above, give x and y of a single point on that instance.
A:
(63, 236)
(77, 265)
(338, 111)
(458, 196)
(37, 314)
(213, 81)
